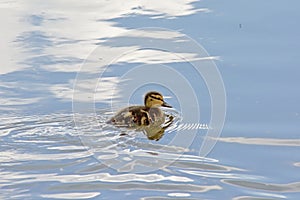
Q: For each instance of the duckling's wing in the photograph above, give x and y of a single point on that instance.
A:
(128, 117)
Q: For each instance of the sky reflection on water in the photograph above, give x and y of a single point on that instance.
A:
(255, 45)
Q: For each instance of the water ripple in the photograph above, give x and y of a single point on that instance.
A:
(271, 187)
(261, 141)
(82, 195)
(49, 151)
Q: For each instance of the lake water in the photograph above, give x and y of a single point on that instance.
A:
(229, 69)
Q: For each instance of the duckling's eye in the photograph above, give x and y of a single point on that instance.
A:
(151, 99)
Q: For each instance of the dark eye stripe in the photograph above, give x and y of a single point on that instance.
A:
(156, 97)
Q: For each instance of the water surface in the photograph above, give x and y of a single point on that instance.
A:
(50, 151)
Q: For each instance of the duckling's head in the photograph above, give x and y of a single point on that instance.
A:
(154, 99)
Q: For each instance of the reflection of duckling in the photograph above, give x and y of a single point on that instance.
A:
(156, 131)
(147, 118)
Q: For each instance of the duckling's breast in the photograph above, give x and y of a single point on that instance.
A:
(156, 115)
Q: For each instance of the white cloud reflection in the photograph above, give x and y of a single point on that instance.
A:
(49, 36)
(73, 30)
(74, 21)
(166, 9)
(297, 164)
(72, 195)
(155, 56)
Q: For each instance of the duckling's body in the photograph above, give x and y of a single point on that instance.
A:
(135, 116)
(139, 116)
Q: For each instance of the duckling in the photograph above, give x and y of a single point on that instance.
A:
(141, 116)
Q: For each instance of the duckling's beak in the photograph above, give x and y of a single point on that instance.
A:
(166, 105)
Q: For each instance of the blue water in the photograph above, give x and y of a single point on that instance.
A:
(66, 67)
